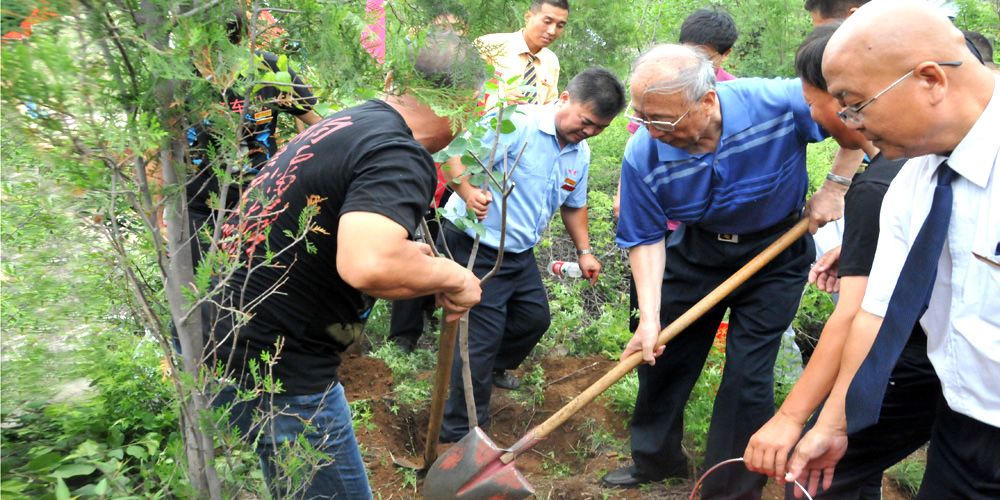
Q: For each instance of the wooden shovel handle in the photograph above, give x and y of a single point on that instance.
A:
(446, 351)
(671, 331)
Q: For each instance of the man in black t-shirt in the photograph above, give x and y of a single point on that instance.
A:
(322, 231)
(908, 410)
(257, 137)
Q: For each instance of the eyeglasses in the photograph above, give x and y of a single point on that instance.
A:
(658, 125)
(853, 116)
(714, 57)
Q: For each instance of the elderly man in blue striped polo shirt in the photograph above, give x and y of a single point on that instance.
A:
(729, 163)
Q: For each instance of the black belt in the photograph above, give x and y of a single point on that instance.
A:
(776, 228)
(449, 225)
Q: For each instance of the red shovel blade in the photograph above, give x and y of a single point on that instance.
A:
(472, 470)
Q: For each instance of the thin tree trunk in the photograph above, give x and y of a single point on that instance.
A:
(179, 274)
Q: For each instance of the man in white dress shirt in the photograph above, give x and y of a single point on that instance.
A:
(938, 111)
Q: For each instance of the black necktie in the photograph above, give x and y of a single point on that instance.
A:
(909, 300)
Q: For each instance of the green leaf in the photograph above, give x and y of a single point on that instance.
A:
(44, 461)
(116, 453)
(460, 144)
(12, 486)
(460, 223)
(137, 452)
(72, 470)
(322, 109)
(479, 229)
(511, 80)
(507, 127)
(283, 62)
(116, 438)
(62, 491)
(497, 177)
(477, 178)
(468, 160)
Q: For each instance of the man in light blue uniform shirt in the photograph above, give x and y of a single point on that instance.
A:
(729, 163)
(551, 175)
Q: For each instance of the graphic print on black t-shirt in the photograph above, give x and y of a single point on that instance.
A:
(362, 159)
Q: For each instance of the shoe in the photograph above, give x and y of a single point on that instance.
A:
(504, 380)
(404, 344)
(624, 477)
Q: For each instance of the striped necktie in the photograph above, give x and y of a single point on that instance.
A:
(530, 79)
(907, 304)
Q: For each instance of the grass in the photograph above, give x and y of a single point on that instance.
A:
(907, 475)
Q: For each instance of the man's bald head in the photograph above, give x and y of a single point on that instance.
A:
(917, 32)
(880, 44)
(671, 69)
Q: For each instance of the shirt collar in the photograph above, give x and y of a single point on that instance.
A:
(735, 118)
(517, 45)
(547, 124)
(979, 144)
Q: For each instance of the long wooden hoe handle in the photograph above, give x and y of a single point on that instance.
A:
(446, 351)
(671, 331)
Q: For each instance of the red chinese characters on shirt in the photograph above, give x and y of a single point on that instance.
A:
(263, 202)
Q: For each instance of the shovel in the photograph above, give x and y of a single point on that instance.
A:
(446, 351)
(476, 468)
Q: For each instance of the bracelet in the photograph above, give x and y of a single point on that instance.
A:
(583, 252)
(839, 179)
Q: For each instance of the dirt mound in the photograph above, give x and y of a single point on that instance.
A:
(567, 465)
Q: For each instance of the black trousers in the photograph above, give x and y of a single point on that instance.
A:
(510, 318)
(905, 421)
(963, 460)
(761, 309)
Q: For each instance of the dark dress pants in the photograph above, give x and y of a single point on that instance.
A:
(963, 459)
(904, 424)
(504, 326)
(761, 310)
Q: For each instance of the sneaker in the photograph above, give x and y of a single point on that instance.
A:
(504, 380)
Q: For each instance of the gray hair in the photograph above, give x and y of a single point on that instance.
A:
(681, 69)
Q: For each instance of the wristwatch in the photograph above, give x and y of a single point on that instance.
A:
(585, 251)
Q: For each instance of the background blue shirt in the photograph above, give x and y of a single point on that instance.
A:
(546, 178)
(756, 177)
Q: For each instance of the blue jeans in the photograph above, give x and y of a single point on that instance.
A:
(324, 420)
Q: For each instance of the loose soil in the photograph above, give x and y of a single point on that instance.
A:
(567, 465)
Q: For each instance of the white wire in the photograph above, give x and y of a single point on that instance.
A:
(732, 461)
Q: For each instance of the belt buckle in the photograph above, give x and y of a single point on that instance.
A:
(729, 238)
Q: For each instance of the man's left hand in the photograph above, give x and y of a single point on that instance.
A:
(825, 205)
(590, 267)
(815, 458)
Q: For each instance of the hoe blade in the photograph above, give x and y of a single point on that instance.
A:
(472, 470)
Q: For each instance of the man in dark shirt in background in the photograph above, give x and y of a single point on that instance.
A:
(257, 135)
